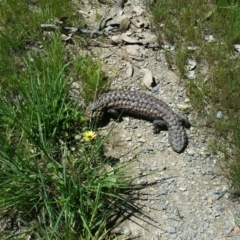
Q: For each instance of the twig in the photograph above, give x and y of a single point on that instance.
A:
(49, 27)
(53, 27)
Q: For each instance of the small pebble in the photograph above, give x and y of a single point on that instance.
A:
(78, 137)
(236, 230)
(210, 170)
(142, 181)
(176, 212)
(165, 217)
(190, 152)
(183, 189)
(128, 139)
(155, 90)
(149, 149)
(172, 229)
(219, 115)
(126, 231)
(163, 191)
(183, 107)
(164, 206)
(117, 230)
(210, 200)
(142, 140)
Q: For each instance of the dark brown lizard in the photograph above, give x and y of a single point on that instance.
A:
(141, 104)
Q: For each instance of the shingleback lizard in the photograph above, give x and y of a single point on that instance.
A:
(141, 104)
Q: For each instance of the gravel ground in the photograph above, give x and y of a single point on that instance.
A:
(190, 199)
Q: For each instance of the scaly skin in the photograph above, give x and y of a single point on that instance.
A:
(141, 104)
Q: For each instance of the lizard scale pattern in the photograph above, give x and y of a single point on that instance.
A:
(142, 105)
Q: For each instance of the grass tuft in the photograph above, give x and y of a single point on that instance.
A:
(59, 187)
(55, 183)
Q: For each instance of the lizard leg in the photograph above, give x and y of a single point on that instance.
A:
(158, 125)
(185, 121)
(114, 114)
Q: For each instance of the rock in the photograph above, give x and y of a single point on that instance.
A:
(229, 229)
(126, 231)
(210, 200)
(192, 64)
(236, 230)
(128, 39)
(128, 139)
(192, 48)
(155, 90)
(191, 75)
(138, 10)
(184, 107)
(209, 38)
(147, 78)
(116, 39)
(142, 140)
(134, 50)
(172, 229)
(183, 189)
(170, 76)
(163, 191)
(237, 47)
(165, 217)
(117, 230)
(210, 170)
(164, 206)
(142, 181)
(190, 152)
(148, 38)
(219, 115)
(78, 137)
(129, 72)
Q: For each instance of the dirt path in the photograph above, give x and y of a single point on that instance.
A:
(190, 201)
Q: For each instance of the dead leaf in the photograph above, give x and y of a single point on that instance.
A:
(128, 39)
(124, 25)
(104, 22)
(118, 10)
(149, 38)
(134, 50)
(116, 20)
(120, 3)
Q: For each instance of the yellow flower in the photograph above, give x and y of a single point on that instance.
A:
(89, 135)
